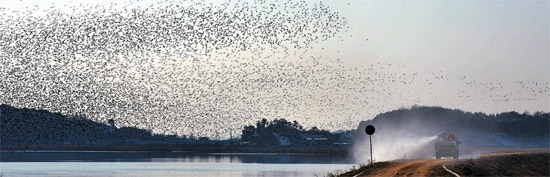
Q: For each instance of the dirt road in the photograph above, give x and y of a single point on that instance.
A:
(407, 168)
(489, 164)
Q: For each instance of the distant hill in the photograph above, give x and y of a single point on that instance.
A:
(503, 129)
(280, 132)
(24, 127)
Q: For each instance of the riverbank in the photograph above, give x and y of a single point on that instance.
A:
(201, 148)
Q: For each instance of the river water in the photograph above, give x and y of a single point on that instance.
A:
(141, 163)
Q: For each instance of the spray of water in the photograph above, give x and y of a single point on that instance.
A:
(394, 146)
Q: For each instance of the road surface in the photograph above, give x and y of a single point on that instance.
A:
(408, 168)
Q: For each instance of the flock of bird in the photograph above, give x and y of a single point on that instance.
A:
(207, 69)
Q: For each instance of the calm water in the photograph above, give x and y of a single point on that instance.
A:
(90, 163)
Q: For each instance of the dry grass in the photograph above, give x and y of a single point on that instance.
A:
(520, 164)
(364, 169)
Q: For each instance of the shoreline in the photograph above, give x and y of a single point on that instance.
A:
(334, 150)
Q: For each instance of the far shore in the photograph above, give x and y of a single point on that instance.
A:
(467, 151)
(201, 148)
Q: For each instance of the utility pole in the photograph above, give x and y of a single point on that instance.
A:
(370, 139)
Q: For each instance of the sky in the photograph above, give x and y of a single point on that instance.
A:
(489, 41)
(479, 56)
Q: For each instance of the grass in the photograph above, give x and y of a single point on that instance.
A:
(524, 164)
(366, 168)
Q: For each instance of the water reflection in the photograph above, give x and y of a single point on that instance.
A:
(183, 157)
(166, 169)
(89, 163)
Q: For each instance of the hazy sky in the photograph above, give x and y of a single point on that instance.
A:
(459, 50)
(488, 41)
(492, 40)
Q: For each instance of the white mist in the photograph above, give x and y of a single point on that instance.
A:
(394, 146)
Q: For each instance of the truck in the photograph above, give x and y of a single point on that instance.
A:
(446, 145)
